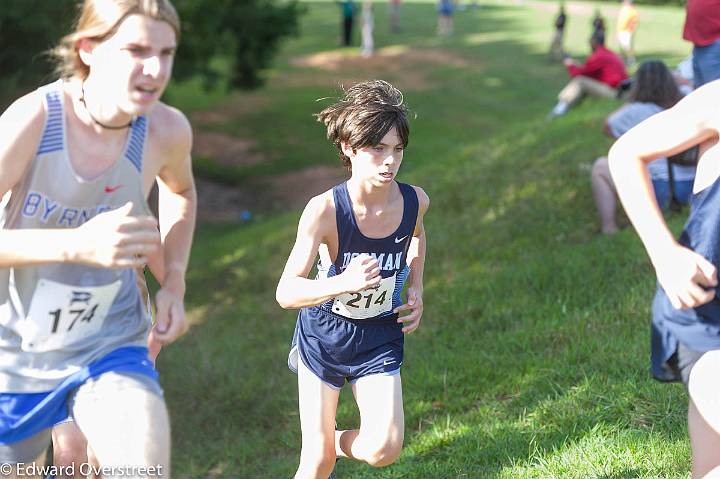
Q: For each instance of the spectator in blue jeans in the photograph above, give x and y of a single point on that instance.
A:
(702, 28)
(653, 91)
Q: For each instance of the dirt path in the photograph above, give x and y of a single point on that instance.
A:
(397, 63)
(227, 204)
(220, 203)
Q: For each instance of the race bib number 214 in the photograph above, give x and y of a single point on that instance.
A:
(368, 303)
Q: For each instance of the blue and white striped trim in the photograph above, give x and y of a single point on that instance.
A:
(134, 150)
(327, 305)
(52, 139)
(399, 285)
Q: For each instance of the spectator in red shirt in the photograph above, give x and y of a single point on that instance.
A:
(599, 76)
(702, 28)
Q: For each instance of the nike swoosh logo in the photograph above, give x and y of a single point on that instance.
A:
(111, 189)
(398, 240)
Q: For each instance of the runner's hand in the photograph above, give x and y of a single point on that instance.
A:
(115, 239)
(687, 278)
(414, 304)
(362, 273)
(170, 322)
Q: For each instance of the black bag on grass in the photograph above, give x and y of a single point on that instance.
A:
(688, 157)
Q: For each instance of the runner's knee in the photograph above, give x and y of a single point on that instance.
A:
(386, 452)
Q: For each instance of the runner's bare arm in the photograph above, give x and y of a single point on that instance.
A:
(156, 265)
(177, 202)
(21, 127)
(416, 254)
(682, 273)
(294, 289)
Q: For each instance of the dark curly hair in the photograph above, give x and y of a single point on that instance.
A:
(364, 115)
(654, 83)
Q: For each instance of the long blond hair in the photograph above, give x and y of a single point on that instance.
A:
(99, 19)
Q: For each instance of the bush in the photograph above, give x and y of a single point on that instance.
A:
(246, 32)
(26, 35)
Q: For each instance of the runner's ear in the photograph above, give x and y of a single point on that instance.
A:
(347, 149)
(85, 48)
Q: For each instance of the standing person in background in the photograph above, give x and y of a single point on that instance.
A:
(395, 15)
(557, 51)
(78, 158)
(366, 32)
(598, 22)
(347, 16)
(445, 9)
(626, 27)
(702, 28)
(599, 76)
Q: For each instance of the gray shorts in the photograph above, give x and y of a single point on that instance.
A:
(682, 362)
(104, 385)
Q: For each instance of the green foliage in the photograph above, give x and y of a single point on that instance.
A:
(28, 29)
(246, 32)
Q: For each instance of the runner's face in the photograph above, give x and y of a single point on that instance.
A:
(134, 64)
(380, 163)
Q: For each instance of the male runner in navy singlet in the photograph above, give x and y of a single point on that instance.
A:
(368, 232)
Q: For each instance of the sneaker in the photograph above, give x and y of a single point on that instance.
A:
(559, 110)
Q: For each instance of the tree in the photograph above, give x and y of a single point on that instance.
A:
(25, 36)
(247, 33)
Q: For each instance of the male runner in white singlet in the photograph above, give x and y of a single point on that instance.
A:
(78, 158)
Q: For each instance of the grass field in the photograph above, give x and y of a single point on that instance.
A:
(532, 360)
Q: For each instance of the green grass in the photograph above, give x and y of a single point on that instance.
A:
(532, 360)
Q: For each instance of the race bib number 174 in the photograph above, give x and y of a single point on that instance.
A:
(62, 314)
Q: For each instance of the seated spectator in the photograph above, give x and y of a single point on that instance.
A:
(653, 91)
(599, 76)
(683, 75)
